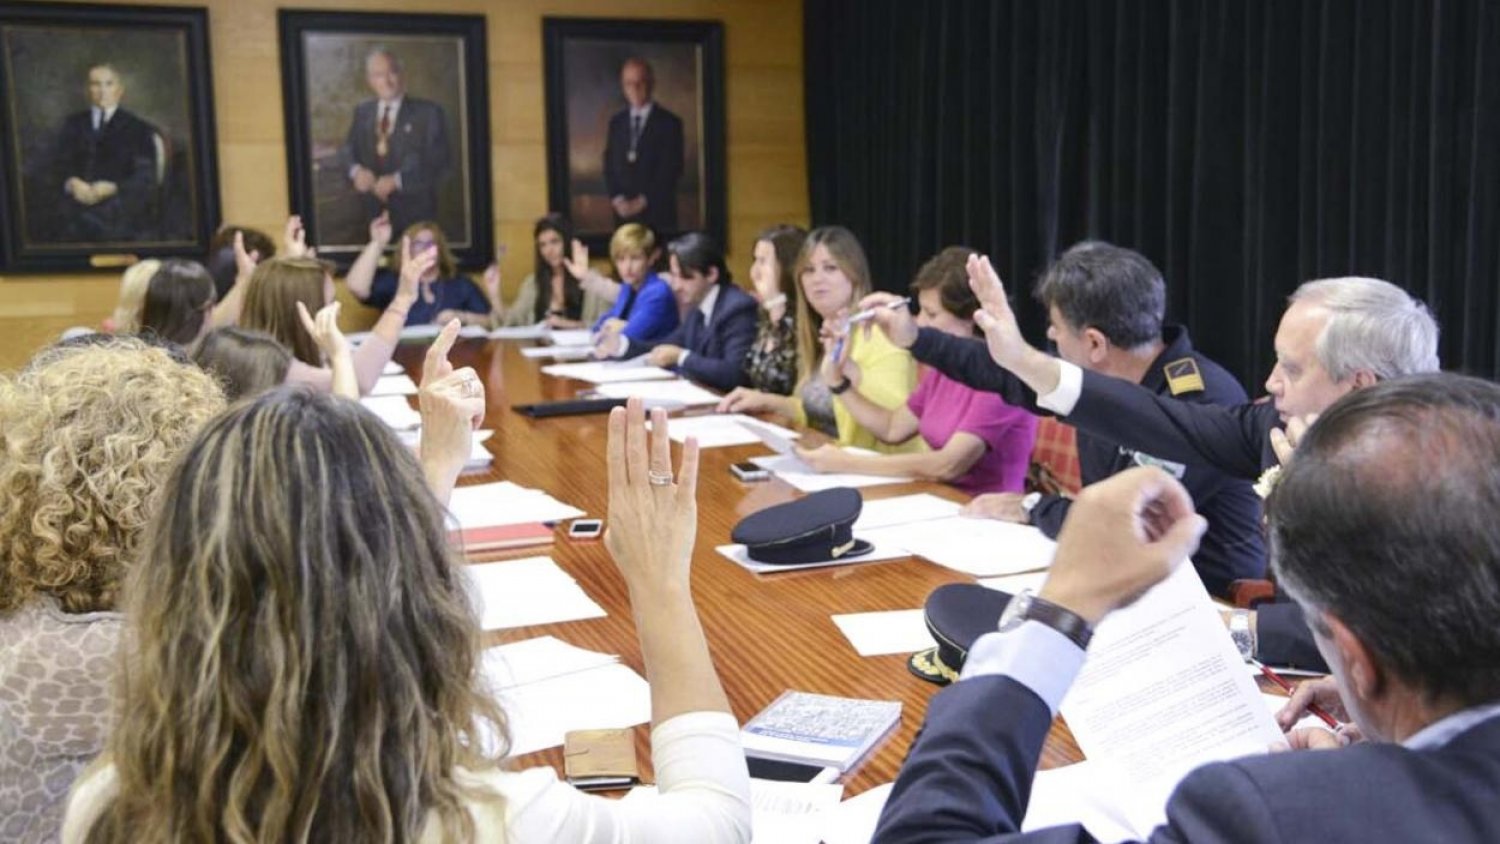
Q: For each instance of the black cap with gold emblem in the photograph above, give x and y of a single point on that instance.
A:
(956, 615)
(809, 530)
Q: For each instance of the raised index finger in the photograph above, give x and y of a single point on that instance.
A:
(435, 365)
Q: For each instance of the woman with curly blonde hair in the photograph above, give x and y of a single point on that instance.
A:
(304, 656)
(88, 432)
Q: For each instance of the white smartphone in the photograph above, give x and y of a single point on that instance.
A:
(585, 529)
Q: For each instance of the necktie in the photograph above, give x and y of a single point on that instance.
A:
(382, 134)
(635, 136)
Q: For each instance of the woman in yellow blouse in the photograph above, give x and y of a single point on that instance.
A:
(834, 275)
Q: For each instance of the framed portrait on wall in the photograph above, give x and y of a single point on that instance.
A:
(387, 115)
(635, 124)
(107, 129)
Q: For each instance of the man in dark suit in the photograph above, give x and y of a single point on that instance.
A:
(396, 153)
(1337, 335)
(643, 154)
(105, 167)
(718, 322)
(1396, 563)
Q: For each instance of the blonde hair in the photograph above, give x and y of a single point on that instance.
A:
(305, 654)
(89, 432)
(447, 265)
(632, 239)
(845, 250)
(133, 283)
(271, 300)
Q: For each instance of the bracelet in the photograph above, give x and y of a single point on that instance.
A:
(840, 389)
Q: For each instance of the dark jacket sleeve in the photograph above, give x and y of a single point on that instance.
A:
(1231, 439)
(968, 362)
(1282, 637)
(1049, 513)
(726, 370)
(968, 774)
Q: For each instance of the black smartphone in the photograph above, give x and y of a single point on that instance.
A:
(585, 529)
(775, 769)
(749, 472)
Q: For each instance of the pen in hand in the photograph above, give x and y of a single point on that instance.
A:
(869, 313)
(1320, 712)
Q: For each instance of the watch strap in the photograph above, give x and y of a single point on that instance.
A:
(841, 388)
(1061, 619)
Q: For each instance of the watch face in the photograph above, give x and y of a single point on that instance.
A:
(1015, 611)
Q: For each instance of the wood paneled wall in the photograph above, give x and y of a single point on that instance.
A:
(767, 164)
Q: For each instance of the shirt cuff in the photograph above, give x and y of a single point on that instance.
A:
(623, 347)
(1034, 655)
(1064, 397)
(682, 357)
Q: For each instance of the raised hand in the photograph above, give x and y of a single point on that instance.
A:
(995, 318)
(492, 283)
(324, 329)
(413, 268)
(578, 263)
(653, 517)
(1284, 443)
(294, 238)
(452, 403)
(244, 262)
(897, 323)
(380, 230)
(1122, 536)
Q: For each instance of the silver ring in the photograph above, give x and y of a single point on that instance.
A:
(471, 387)
(658, 478)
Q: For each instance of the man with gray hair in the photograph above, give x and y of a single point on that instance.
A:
(1337, 335)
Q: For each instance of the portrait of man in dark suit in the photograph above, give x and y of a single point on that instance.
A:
(396, 155)
(643, 153)
(105, 167)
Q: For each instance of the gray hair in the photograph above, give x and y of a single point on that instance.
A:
(1373, 325)
(382, 50)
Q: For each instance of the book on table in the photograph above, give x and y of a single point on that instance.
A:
(499, 537)
(819, 729)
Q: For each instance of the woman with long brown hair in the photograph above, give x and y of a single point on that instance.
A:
(305, 656)
(443, 293)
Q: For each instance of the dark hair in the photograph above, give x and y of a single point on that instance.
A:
(1386, 520)
(220, 259)
(542, 274)
(177, 301)
(247, 363)
(786, 241)
(948, 273)
(698, 252)
(1106, 287)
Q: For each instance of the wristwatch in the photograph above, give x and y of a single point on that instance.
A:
(1026, 606)
(1029, 502)
(1240, 632)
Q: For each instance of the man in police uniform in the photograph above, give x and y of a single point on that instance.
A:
(1106, 305)
(1337, 335)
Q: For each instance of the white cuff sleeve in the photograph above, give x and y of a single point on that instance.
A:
(1064, 398)
(682, 357)
(1034, 655)
(624, 346)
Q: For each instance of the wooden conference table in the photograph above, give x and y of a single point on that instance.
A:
(767, 633)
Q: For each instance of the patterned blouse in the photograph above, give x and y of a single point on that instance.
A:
(771, 362)
(56, 699)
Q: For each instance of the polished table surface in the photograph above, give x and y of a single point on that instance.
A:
(767, 633)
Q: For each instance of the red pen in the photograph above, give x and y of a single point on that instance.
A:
(1332, 722)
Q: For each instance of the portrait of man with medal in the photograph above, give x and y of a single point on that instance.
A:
(643, 153)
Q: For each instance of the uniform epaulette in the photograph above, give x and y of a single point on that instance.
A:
(1183, 376)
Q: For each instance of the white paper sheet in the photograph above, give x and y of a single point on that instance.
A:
(533, 590)
(571, 337)
(394, 411)
(979, 547)
(904, 509)
(780, 812)
(505, 503)
(520, 332)
(800, 475)
(886, 632)
(1077, 794)
(1163, 691)
(540, 714)
(393, 368)
(1014, 583)
(664, 393)
(534, 660)
(853, 821)
(394, 385)
(606, 372)
(717, 430)
(774, 436)
(558, 352)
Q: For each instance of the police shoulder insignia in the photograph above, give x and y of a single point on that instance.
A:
(1183, 376)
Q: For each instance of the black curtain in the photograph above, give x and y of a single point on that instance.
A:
(1244, 146)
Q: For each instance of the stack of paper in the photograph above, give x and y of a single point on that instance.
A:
(662, 393)
(608, 371)
(520, 332)
(571, 337)
(903, 509)
(520, 593)
(802, 476)
(886, 632)
(548, 687)
(717, 430)
(394, 411)
(394, 385)
(558, 352)
(505, 503)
